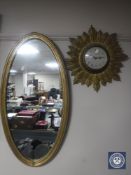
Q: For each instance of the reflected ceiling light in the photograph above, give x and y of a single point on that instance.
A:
(87, 55)
(31, 73)
(13, 71)
(27, 49)
(52, 65)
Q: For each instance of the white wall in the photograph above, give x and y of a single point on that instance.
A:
(100, 122)
(19, 85)
(18, 80)
(50, 81)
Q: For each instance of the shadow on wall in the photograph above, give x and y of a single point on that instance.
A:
(0, 23)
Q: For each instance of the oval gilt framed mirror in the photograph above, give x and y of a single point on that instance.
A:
(35, 99)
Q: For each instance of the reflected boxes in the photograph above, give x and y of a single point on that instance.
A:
(25, 119)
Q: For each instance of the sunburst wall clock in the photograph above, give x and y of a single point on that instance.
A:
(95, 58)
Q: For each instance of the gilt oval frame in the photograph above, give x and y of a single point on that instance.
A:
(66, 102)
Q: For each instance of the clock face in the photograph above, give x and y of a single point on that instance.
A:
(96, 58)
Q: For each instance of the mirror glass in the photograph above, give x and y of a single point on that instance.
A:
(35, 100)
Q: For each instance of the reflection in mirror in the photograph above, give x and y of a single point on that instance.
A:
(35, 101)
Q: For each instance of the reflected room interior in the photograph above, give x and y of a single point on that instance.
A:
(34, 99)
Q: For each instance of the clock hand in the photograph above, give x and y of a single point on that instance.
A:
(97, 57)
(100, 57)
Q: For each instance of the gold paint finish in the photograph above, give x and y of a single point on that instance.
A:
(64, 87)
(76, 64)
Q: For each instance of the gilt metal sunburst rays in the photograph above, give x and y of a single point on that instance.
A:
(96, 78)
